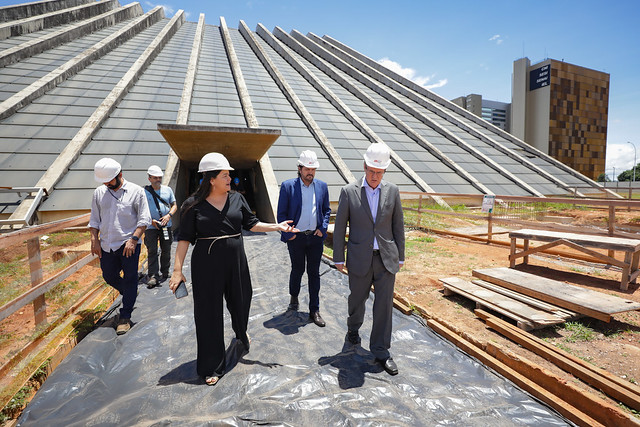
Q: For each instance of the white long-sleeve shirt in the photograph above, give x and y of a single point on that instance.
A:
(117, 214)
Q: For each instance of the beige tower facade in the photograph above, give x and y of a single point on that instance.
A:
(562, 109)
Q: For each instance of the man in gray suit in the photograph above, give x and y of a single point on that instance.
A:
(375, 251)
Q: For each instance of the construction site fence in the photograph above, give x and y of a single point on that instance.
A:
(426, 211)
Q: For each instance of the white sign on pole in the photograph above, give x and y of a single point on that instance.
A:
(487, 203)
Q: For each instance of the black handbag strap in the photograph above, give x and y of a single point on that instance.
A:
(156, 198)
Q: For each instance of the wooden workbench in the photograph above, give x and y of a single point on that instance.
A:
(582, 243)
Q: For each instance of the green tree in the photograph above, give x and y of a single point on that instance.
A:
(628, 174)
(603, 178)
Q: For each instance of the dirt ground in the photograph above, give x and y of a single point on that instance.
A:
(19, 329)
(614, 346)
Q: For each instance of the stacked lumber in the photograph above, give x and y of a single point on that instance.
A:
(527, 312)
(613, 386)
(570, 297)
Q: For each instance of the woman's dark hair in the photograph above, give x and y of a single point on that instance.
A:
(201, 192)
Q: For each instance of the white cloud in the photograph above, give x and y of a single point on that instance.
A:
(410, 74)
(440, 83)
(497, 38)
(169, 11)
(620, 157)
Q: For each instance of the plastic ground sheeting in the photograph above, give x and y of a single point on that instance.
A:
(295, 374)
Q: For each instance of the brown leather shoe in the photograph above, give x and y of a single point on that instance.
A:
(317, 319)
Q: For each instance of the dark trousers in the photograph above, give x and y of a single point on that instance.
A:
(153, 237)
(114, 262)
(222, 275)
(360, 286)
(306, 249)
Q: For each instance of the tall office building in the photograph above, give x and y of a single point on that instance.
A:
(562, 110)
(495, 112)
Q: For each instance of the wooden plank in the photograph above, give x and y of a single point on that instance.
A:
(527, 384)
(483, 296)
(558, 311)
(17, 237)
(613, 386)
(597, 255)
(595, 304)
(601, 242)
(522, 322)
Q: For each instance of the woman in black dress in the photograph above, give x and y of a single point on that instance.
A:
(212, 219)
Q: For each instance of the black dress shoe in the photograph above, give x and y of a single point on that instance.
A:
(317, 319)
(353, 337)
(389, 365)
(293, 304)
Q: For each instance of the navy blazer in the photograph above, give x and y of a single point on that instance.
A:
(290, 205)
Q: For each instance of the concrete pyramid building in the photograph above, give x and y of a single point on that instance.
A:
(81, 80)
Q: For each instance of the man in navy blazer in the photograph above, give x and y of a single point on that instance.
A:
(305, 200)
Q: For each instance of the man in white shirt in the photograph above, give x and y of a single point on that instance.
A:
(119, 216)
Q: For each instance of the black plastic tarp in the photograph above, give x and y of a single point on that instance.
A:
(295, 374)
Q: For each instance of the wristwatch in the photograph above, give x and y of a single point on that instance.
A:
(136, 238)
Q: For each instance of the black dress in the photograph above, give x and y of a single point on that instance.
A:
(218, 268)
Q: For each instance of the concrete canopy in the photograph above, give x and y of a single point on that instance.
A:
(243, 147)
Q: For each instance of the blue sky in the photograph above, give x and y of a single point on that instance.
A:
(460, 47)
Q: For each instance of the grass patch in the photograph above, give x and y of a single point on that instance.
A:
(564, 347)
(59, 294)
(14, 276)
(328, 251)
(68, 238)
(4, 338)
(423, 239)
(579, 332)
(21, 398)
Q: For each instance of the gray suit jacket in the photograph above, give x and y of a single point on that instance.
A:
(353, 208)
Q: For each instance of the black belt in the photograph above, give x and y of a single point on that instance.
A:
(376, 252)
(307, 232)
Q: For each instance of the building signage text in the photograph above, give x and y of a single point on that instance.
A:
(539, 77)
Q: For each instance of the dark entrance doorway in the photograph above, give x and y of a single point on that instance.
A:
(243, 147)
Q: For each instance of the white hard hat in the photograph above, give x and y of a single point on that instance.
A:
(106, 169)
(154, 171)
(214, 162)
(308, 159)
(378, 156)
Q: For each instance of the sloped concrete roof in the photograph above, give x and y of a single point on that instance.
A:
(89, 90)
